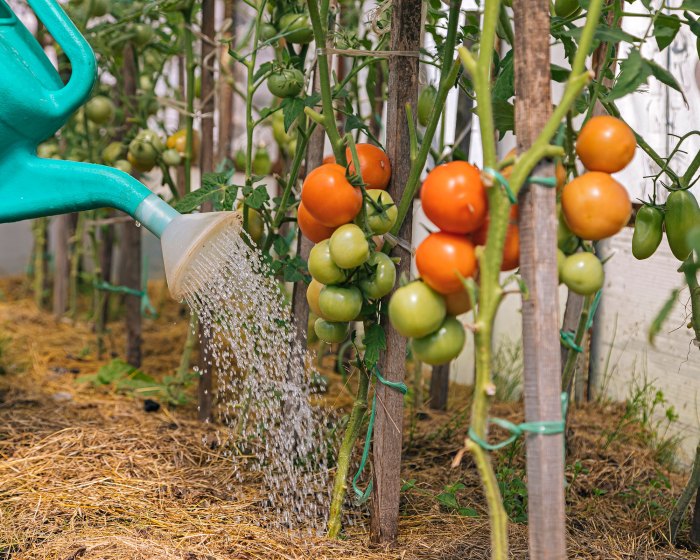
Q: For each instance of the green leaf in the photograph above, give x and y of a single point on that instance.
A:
(503, 117)
(665, 77)
(666, 28)
(113, 371)
(213, 185)
(633, 73)
(408, 485)
(292, 107)
(559, 74)
(468, 512)
(504, 87)
(662, 315)
(262, 70)
(281, 246)
(691, 6)
(375, 342)
(603, 33)
(448, 500)
(295, 270)
(258, 197)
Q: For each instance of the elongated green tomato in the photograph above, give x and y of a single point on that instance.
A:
(287, 82)
(171, 157)
(255, 226)
(330, 332)
(583, 273)
(426, 101)
(682, 213)
(441, 346)
(383, 276)
(322, 267)
(312, 292)
(296, 28)
(123, 165)
(340, 304)
(112, 152)
(381, 219)
(416, 310)
(648, 232)
(348, 246)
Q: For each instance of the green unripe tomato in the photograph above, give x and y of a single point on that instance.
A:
(262, 164)
(648, 232)
(583, 273)
(380, 221)
(441, 346)
(112, 152)
(239, 160)
(416, 310)
(322, 267)
(142, 34)
(348, 246)
(142, 153)
(255, 226)
(123, 165)
(340, 304)
(682, 214)
(172, 158)
(382, 279)
(267, 32)
(286, 82)
(100, 110)
(426, 101)
(296, 28)
(284, 139)
(330, 332)
(561, 259)
(145, 83)
(566, 8)
(566, 240)
(150, 137)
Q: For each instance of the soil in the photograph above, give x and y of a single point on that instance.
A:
(92, 473)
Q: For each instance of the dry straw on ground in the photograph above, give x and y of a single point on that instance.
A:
(86, 473)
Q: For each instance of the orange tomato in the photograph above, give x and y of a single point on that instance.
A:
(311, 227)
(329, 159)
(595, 206)
(441, 256)
(457, 303)
(375, 167)
(329, 197)
(454, 198)
(511, 247)
(605, 144)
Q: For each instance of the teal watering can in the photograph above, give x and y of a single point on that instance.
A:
(34, 104)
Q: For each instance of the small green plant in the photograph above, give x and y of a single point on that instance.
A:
(507, 367)
(512, 485)
(448, 499)
(125, 378)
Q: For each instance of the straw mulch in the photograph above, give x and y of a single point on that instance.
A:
(85, 473)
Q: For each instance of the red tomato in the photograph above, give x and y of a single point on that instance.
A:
(511, 248)
(311, 227)
(454, 198)
(329, 197)
(441, 256)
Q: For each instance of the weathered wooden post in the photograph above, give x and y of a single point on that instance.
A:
(538, 265)
(406, 25)
(206, 165)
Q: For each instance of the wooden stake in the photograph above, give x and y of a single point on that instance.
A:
(538, 264)
(226, 97)
(439, 387)
(406, 27)
(206, 165)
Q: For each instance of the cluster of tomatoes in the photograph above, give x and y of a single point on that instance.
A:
(594, 206)
(454, 198)
(349, 272)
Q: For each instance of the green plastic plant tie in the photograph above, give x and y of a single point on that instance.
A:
(542, 428)
(504, 183)
(568, 339)
(147, 308)
(362, 496)
(549, 182)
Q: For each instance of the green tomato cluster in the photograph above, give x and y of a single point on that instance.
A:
(418, 312)
(347, 272)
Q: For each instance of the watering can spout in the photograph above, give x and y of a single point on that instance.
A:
(32, 187)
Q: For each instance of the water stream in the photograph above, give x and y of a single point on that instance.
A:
(264, 392)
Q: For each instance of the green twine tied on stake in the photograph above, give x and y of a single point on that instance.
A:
(543, 428)
(147, 308)
(361, 496)
(568, 338)
(549, 182)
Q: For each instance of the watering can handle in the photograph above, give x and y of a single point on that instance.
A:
(76, 48)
